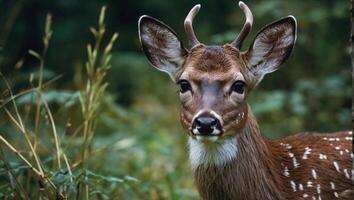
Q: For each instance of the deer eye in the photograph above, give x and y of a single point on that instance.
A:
(238, 86)
(185, 86)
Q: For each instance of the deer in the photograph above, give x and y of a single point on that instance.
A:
(229, 157)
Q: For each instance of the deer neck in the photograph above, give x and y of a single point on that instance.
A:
(242, 167)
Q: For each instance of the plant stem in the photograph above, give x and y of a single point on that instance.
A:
(46, 38)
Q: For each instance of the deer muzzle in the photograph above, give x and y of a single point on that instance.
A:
(206, 124)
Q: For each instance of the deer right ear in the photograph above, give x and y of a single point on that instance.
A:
(161, 46)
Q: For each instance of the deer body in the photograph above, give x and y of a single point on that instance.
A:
(229, 156)
(277, 169)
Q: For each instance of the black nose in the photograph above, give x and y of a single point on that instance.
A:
(206, 125)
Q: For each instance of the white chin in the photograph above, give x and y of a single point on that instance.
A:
(207, 138)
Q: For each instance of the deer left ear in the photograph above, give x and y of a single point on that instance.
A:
(271, 47)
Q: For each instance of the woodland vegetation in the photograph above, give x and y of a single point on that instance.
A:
(84, 116)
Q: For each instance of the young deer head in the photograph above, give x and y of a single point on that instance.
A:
(229, 156)
(216, 80)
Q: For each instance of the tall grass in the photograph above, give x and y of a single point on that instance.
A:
(91, 96)
(35, 174)
(78, 143)
(96, 70)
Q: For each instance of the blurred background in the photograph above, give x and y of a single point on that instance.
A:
(138, 137)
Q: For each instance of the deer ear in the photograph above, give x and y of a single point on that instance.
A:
(271, 47)
(161, 46)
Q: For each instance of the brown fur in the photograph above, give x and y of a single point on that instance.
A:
(302, 166)
(214, 66)
(258, 170)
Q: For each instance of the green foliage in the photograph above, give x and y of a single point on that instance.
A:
(133, 146)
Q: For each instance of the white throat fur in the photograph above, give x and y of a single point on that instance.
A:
(214, 153)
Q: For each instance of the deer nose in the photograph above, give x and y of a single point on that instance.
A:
(206, 125)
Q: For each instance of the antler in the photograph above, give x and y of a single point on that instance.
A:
(188, 25)
(246, 27)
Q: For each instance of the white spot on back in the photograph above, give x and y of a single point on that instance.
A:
(305, 195)
(286, 172)
(296, 164)
(318, 188)
(336, 165)
(346, 173)
(336, 194)
(332, 185)
(293, 185)
(348, 138)
(309, 184)
(314, 174)
(306, 153)
(322, 156)
(301, 187)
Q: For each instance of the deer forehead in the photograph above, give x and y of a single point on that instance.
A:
(223, 64)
